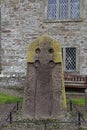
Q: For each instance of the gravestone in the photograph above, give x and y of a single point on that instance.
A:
(44, 94)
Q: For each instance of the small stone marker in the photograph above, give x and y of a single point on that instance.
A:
(44, 94)
(86, 101)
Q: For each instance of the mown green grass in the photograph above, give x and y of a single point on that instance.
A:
(79, 101)
(5, 98)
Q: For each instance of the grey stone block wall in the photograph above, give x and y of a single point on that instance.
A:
(22, 21)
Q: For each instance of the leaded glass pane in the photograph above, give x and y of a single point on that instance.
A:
(63, 8)
(70, 61)
(51, 1)
(75, 8)
(51, 12)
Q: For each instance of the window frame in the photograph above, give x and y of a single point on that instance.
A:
(80, 19)
(64, 59)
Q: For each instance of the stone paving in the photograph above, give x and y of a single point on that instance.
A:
(6, 108)
(4, 111)
(24, 125)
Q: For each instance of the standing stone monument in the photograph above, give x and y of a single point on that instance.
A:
(86, 102)
(44, 94)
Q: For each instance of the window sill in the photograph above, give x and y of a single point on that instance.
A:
(65, 20)
(71, 72)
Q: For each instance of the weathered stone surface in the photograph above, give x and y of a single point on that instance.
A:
(25, 21)
(49, 124)
(44, 92)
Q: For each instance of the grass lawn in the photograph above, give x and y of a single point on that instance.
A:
(6, 98)
(79, 101)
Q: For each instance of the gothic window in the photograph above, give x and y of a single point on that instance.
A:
(63, 9)
(69, 59)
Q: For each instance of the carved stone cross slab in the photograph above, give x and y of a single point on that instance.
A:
(44, 94)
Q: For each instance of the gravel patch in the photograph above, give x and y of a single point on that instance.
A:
(13, 92)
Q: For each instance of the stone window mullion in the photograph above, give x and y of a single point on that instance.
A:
(57, 10)
(69, 8)
(81, 7)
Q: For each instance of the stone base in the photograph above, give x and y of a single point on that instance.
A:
(42, 124)
(64, 122)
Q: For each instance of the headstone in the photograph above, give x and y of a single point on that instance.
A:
(44, 94)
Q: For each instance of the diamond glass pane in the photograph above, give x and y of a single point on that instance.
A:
(51, 1)
(63, 7)
(75, 8)
(51, 12)
(70, 61)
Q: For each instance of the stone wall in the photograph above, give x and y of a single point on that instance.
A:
(23, 21)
